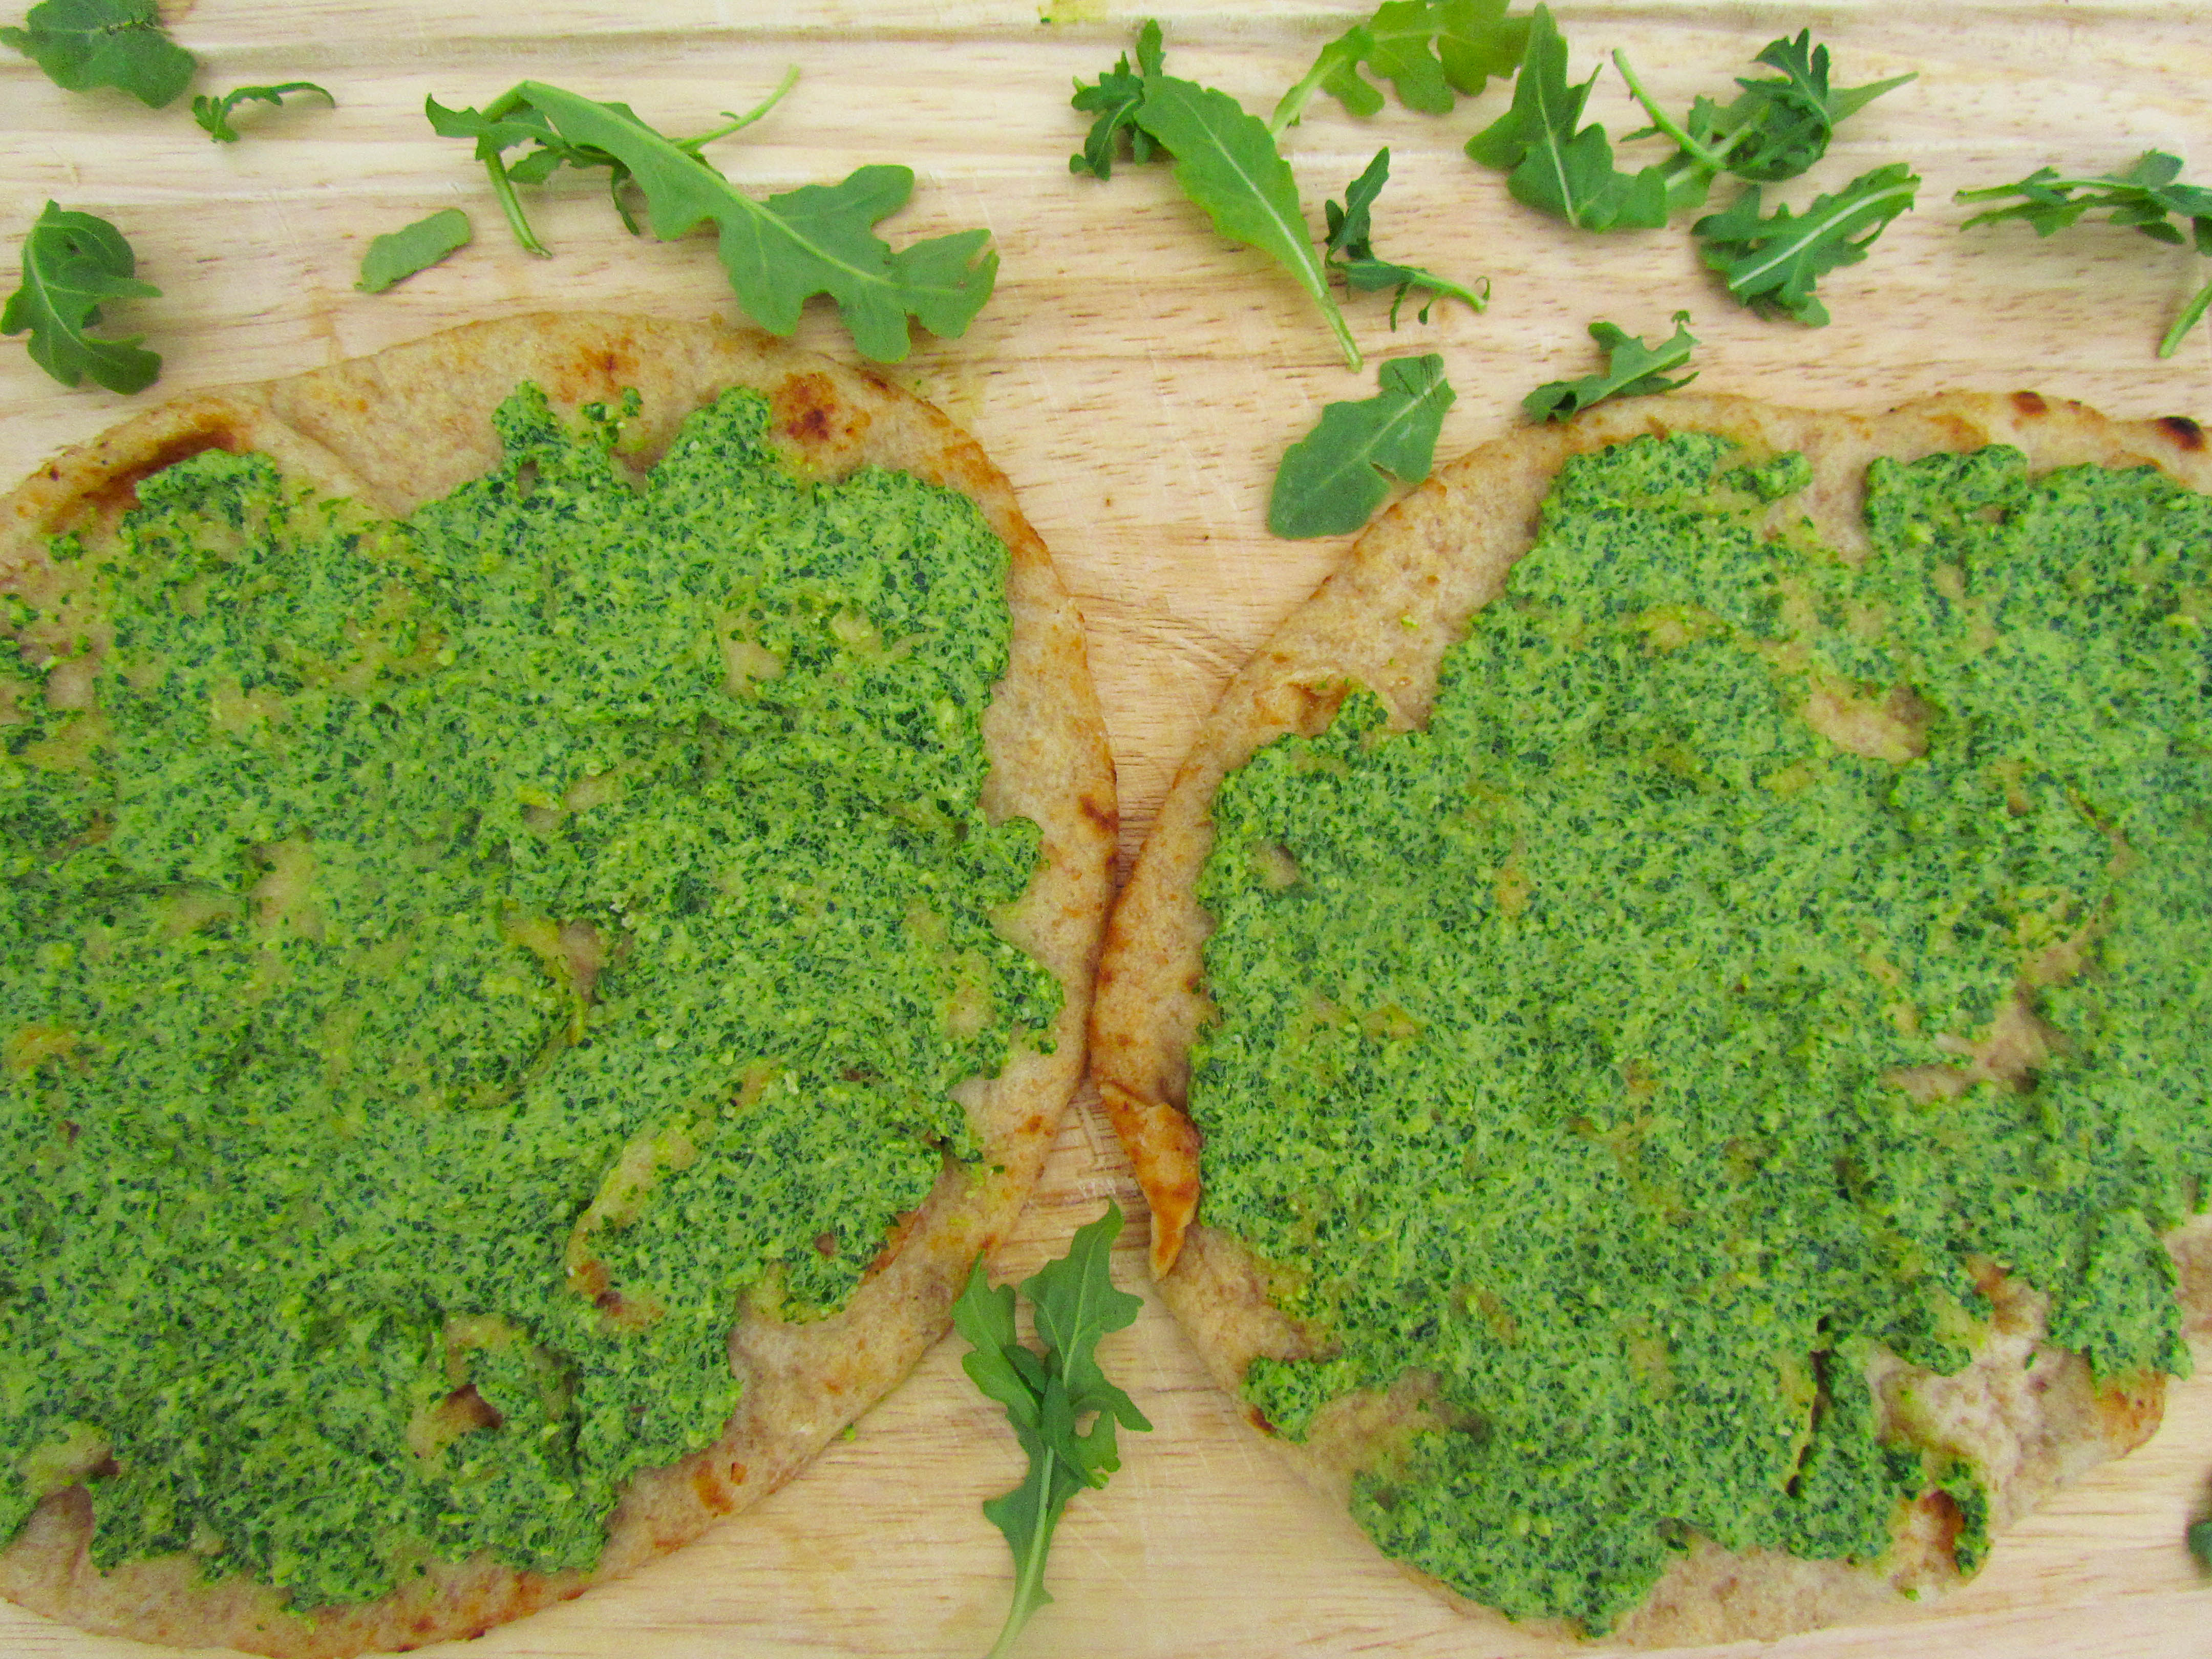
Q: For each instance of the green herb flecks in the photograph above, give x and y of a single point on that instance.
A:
(2146, 198)
(1632, 369)
(1568, 1067)
(73, 265)
(400, 253)
(778, 253)
(425, 1153)
(214, 113)
(1047, 1395)
(1771, 264)
(1350, 251)
(1333, 479)
(1427, 50)
(1554, 164)
(83, 44)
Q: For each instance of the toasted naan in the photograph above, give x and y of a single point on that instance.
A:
(401, 429)
(2027, 1414)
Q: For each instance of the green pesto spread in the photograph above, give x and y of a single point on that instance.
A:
(1600, 1048)
(464, 960)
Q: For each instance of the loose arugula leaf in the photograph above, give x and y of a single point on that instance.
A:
(1427, 50)
(1555, 167)
(83, 44)
(1351, 252)
(1047, 1395)
(400, 253)
(777, 253)
(1631, 368)
(1776, 129)
(1226, 161)
(2145, 198)
(1114, 101)
(1771, 264)
(2199, 1540)
(509, 120)
(1331, 479)
(73, 263)
(214, 113)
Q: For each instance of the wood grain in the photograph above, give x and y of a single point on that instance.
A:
(1137, 377)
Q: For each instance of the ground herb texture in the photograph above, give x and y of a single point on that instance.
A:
(1600, 1047)
(463, 962)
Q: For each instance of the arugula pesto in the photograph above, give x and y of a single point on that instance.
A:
(459, 963)
(1600, 1050)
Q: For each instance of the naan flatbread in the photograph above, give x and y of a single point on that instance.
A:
(2026, 1415)
(403, 428)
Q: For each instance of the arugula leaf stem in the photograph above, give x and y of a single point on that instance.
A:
(1292, 105)
(2150, 198)
(511, 205)
(2191, 314)
(1047, 1394)
(502, 187)
(1349, 347)
(739, 123)
(1029, 1575)
(1704, 154)
(2046, 182)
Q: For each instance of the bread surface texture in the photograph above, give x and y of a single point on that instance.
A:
(2027, 1412)
(404, 427)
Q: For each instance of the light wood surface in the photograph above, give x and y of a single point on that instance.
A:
(1137, 377)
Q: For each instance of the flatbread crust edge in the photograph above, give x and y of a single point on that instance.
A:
(1383, 619)
(405, 426)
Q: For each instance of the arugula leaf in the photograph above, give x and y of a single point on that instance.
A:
(2145, 198)
(1632, 369)
(214, 113)
(1776, 129)
(1771, 264)
(1351, 236)
(400, 253)
(1427, 50)
(1555, 167)
(1047, 1395)
(83, 44)
(1114, 101)
(73, 263)
(1226, 161)
(510, 120)
(777, 253)
(1331, 479)
(2199, 1540)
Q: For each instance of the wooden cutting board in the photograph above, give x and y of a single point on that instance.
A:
(1138, 377)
